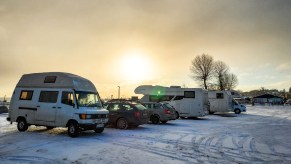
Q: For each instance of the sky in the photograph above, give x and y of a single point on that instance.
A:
(128, 43)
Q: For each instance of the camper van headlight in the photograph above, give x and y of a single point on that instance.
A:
(85, 116)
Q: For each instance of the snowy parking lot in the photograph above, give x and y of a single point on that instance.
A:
(260, 135)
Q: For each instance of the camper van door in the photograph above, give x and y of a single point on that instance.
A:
(47, 106)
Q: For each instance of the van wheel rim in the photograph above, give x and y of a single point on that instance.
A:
(21, 125)
(72, 129)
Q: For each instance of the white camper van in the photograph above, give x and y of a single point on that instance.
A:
(222, 101)
(188, 102)
(57, 99)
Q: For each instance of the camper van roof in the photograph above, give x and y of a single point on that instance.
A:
(56, 80)
(161, 90)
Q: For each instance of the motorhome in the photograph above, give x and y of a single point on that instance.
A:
(222, 101)
(57, 99)
(188, 102)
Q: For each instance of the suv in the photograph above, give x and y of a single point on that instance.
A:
(123, 114)
(160, 112)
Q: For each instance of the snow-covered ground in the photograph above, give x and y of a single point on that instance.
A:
(261, 135)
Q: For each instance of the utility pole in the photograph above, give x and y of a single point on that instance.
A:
(118, 92)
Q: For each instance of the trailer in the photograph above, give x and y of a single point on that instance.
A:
(188, 102)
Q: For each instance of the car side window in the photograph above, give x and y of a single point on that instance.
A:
(219, 95)
(68, 98)
(26, 95)
(113, 107)
(127, 107)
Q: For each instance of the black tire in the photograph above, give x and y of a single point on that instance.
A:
(73, 129)
(211, 112)
(99, 130)
(22, 125)
(237, 111)
(49, 127)
(122, 123)
(155, 119)
(177, 115)
(163, 122)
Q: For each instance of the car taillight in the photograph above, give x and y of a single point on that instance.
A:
(167, 111)
(136, 114)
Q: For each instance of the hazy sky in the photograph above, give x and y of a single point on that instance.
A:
(132, 42)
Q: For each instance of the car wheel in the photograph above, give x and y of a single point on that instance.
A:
(122, 123)
(49, 127)
(99, 130)
(22, 125)
(163, 122)
(237, 111)
(177, 115)
(73, 129)
(155, 119)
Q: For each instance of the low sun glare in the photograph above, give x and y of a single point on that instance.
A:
(135, 66)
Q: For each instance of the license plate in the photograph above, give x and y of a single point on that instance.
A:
(99, 125)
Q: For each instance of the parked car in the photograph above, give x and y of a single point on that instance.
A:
(288, 102)
(123, 114)
(160, 112)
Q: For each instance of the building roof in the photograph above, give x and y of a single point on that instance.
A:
(267, 96)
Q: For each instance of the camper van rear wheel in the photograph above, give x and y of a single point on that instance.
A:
(22, 125)
(122, 123)
(73, 129)
(155, 119)
(237, 111)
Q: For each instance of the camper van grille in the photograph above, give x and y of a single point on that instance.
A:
(95, 116)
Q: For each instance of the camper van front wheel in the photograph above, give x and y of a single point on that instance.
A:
(73, 129)
(22, 125)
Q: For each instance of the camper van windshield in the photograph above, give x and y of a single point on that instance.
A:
(88, 99)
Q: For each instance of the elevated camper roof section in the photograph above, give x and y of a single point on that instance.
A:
(56, 80)
(161, 90)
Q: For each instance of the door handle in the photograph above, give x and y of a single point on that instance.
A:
(59, 107)
(54, 107)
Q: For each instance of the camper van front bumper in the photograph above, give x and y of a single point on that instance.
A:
(91, 126)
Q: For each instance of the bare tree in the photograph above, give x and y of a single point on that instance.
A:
(230, 81)
(220, 70)
(202, 69)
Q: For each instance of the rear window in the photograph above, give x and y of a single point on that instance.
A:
(168, 106)
(48, 96)
(140, 107)
(26, 95)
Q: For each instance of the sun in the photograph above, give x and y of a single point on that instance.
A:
(135, 66)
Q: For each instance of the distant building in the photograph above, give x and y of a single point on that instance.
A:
(268, 99)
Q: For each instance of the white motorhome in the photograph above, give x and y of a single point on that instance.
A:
(222, 101)
(188, 102)
(57, 99)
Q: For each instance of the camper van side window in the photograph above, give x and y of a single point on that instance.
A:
(50, 79)
(67, 98)
(219, 95)
(26, 95)
(48, 96)
(189, 94)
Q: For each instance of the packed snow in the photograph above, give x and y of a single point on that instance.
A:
(261, 135)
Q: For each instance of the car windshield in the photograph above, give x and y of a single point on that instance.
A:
(235, 102)
(88, 99)
(140, 106)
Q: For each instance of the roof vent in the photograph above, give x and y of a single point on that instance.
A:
(50, 79)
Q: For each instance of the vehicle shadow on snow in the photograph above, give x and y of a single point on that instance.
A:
(225, 114)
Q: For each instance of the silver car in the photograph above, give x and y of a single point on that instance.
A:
(160, 112)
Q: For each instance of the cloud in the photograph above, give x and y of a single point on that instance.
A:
(284, 66)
